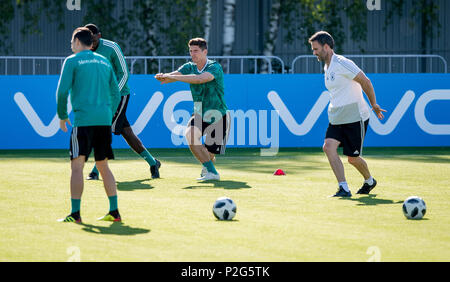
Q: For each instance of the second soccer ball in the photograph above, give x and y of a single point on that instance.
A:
(414, 208)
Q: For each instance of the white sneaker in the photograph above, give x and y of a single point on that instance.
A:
(204, 172)
(209, 176)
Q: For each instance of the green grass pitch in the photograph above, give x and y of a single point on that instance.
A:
(279, 218)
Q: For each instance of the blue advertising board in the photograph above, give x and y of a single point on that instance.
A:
(266, 111)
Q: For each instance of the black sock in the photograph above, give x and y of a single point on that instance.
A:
(75, 215)
(115, 213)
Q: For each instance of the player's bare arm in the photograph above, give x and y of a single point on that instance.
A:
(367, 87)
(162, 77)
(190, 78)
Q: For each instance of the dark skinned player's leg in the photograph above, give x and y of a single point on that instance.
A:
(135, 143)
(120, 125)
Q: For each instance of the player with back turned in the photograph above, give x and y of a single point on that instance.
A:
(94, 95)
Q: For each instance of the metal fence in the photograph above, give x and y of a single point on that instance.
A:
(378, 64)
(230, 64)
(30, 65)
(34, 65)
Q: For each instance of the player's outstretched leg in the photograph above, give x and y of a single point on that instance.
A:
(135, 143)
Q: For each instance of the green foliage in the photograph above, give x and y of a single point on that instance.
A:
(31, 16)
(7, 15)
(149, 19)
(31, 11)
(426, 9)
(429, 13)
(100, 12)
(158, 27)
(396, 7)
(185, 21)
(326, 15)
(356, 10)
(54, 11)
(151, 28)
(425, 12)
(329, 13)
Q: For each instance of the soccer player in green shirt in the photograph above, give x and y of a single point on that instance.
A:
(120, 125)
(94, 94)
(210, 118)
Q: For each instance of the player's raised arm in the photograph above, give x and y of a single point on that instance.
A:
(367, 87)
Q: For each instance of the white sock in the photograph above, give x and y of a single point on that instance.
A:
(344, 185)
(369, 181)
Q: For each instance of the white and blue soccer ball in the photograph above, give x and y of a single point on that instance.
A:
(224, 208)
(414, 208)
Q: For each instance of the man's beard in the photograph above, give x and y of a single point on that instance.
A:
(322, 58)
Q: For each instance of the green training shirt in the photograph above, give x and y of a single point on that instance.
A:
(94, 94)
(111, 50)
(210, 94)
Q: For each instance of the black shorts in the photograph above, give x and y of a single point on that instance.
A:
(120, 120)
(85, 138)
(351, 136)
(216, 134)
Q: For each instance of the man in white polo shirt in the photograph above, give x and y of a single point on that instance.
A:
(348, 112)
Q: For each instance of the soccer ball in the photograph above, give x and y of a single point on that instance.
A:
(414, 208)
(224, 208)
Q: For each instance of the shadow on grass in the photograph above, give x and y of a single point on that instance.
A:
(224, 184)
(116, 228)
(269, 168)
(233, 220)
(134, 185)
(432, 159)
(372, 200)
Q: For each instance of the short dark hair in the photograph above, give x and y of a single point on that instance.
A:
(323, 38)
(93, 28)
(200, 42)
(84, 35)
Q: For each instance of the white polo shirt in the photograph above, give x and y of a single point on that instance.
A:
(347, 104)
